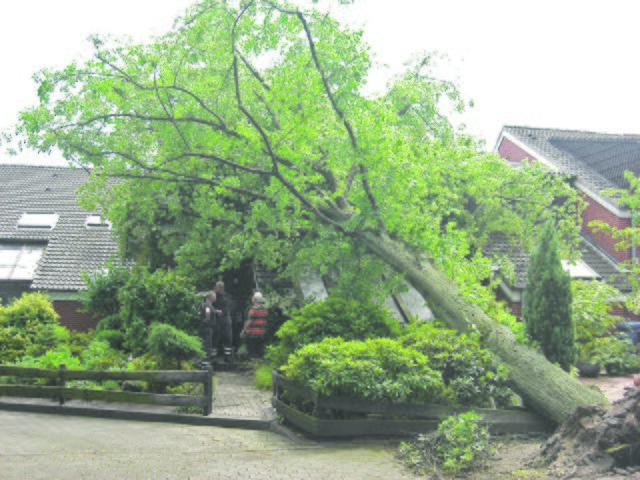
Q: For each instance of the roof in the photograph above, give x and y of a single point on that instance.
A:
(598, 160)
(597, 260)
(71, 247)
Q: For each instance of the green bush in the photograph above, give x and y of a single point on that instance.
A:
(592, 315)
(52, 359)
(460, 444)
(48, 337)
(468, 369)
(173, 345)
(375, 369)
(138, 299)
(100, 356)
(616, 353)
(335, 317)
(28, 313)
(13, 345)
(115, 338)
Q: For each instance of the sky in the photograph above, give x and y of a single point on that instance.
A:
(550, 63)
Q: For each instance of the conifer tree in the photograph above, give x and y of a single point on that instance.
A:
(547, 302)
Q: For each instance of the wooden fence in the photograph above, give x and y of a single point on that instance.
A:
(62, 392)
(385, 418)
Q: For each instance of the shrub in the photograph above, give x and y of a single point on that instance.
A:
(115, 338)
(13, 345)
(100, 356)
(616, 353)
(138, 299)
(335, 317)
(468, 369)
(48, 337)
(592, 314)
(52, 359)
(171, 344)
(459, 445)
(29, 313)
(375, 369)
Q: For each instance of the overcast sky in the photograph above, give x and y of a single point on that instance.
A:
(549, 63)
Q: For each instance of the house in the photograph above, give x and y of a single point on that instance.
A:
(596, 162)
(47, 240)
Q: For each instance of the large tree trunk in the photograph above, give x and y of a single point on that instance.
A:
(545, 387)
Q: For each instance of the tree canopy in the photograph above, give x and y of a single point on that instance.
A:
(247, 130)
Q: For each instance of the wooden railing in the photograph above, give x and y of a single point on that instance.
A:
(62, 392)
(384, 417)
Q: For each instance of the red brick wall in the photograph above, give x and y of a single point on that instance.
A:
(595, 211)
(624, 313)
(71, 316)
(512, 152)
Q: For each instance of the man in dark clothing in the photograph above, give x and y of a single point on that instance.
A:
(222, 332)
(255, 328)
(208, 317)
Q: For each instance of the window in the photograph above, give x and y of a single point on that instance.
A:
(19, 262)
(96, 221)
(38, 220)
(579, 269)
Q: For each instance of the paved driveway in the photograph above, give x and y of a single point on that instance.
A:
(38, 446)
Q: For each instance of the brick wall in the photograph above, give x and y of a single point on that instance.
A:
(624, 313)
(71, 316)
(595, 211)
(512, 152)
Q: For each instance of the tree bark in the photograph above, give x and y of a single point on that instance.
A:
(543, 386)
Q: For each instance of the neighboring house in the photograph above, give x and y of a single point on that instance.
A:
(47, 240)
(596, 162)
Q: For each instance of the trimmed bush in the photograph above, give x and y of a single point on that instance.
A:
(172, 345)
(468, 369)
(335, 317)
(375, 369)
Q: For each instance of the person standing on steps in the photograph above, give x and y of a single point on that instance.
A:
(208, 319)
(255, 328)
(222, 334)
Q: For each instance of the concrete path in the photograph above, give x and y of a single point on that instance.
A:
(39, 446)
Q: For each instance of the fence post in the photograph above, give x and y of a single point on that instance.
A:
(62, 380)
(208, 392)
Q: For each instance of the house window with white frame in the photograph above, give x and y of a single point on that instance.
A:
(19, 261)
(38, 220)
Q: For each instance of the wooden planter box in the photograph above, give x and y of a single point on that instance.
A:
(388, 418)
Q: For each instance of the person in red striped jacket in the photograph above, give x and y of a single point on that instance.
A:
(255, 327)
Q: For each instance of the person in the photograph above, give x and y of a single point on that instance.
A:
(255, 328)
(222, 332)
(208, 319)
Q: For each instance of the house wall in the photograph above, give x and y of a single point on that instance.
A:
(595, 211)
(624, 313)
(12, 289)
(72, 317)
(512, 152)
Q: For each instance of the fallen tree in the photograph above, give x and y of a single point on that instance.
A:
(251, 128)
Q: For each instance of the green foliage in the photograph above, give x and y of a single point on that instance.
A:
(78, 341)
(100, 356)
(263, 379)
(28, 313)
(103, 287)
(333, 317)
(52, 359)
(172, 345)
(591, 309)
(49, 337)
(547, 302)
(375, 369)
(460, 445)
(13, 345)
(115, 338)
(616, 353)
(141, 298)
(470, 371)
